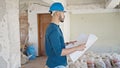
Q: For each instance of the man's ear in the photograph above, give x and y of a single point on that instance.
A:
(58, 14)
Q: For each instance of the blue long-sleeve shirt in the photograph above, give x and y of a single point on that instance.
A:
(54, 43)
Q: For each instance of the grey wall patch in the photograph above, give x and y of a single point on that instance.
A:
(3, 63)
(2, 8)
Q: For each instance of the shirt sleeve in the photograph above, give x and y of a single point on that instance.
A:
(55, 42)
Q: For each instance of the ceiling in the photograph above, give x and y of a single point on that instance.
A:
(84, 2)
(92, 4)
(80, 5)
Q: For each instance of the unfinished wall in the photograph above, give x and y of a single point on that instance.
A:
(24, 25)
(9, 34)
(4, 40)
(105, 25)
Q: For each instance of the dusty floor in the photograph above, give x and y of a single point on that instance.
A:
(37, 63)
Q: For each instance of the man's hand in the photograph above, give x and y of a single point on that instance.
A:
(68, 51)
(81, 47)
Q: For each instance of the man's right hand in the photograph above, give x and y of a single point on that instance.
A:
(68, 51)
(81, 47)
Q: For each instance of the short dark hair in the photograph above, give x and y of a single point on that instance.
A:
(50, 12)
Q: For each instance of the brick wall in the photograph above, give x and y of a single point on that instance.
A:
(23, 27)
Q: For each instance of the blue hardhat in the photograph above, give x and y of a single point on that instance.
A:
(56, 7)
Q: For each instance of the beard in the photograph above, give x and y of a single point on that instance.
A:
(61, 19)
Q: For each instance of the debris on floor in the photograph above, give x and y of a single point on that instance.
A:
(94, 60)
(24, 59)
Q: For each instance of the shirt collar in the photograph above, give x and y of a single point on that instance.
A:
(55, 24)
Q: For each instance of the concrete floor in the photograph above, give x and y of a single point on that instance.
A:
(37, 63)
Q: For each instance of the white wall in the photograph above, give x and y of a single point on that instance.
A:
(105, 25)
(66, 27)
(32, 19)
(9, 35)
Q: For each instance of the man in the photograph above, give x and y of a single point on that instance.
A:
(54, 41)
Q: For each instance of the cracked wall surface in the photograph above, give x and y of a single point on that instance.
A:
(9, 34)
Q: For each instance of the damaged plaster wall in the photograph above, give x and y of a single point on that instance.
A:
(9, 34)
(24, 25)
(14, 33)
(4, 42)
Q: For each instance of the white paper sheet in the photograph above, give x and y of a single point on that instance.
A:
(83, 38)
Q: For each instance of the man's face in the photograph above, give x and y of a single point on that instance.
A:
(61, 17)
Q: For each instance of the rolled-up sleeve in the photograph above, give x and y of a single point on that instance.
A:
(54, 39)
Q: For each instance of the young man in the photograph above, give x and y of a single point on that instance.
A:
(54, 41)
